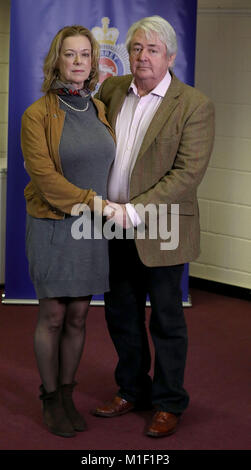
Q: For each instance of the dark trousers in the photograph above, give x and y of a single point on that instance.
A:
(130, 281)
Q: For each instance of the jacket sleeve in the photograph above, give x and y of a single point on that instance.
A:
(49, 183)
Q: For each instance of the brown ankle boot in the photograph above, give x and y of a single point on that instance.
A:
(74, 416)
(54, 414)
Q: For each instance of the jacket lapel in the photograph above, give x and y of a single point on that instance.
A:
(169, 103)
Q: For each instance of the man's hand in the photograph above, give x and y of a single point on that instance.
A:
(117, 212)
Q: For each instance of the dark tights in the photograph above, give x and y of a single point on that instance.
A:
(59, 339)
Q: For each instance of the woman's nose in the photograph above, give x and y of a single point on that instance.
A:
(77, 58)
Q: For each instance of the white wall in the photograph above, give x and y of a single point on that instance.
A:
(223, 72)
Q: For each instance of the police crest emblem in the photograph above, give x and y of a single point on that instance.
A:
(113, 57)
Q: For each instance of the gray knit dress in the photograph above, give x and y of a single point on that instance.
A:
(62, 265)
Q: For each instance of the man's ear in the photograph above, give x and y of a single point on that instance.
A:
(171, 60)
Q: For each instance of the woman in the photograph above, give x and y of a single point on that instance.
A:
(68, 148)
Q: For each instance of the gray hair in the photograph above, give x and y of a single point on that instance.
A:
(164, 30)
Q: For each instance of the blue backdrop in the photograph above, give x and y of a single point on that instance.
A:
(33, 25)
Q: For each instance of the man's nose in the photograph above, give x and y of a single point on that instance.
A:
(143, 54)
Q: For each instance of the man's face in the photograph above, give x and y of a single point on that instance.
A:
(148, 58)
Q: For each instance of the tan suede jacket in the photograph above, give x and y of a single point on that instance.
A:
(49, 194)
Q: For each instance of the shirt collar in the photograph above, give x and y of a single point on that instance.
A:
(159, 90)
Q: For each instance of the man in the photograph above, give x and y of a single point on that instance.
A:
(164, 132)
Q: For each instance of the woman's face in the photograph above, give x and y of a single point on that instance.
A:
(74, 61)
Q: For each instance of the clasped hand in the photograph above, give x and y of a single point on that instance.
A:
(118, 213)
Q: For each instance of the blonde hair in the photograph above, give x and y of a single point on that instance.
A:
(50, 63)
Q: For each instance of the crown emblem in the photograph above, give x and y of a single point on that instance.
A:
(105, 35)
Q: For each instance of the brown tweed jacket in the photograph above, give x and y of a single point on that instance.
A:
(170, 165)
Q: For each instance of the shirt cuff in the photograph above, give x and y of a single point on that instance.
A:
(133, 215)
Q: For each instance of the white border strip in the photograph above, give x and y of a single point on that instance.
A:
(93, 302)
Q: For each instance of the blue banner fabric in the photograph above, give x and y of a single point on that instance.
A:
(33, 25)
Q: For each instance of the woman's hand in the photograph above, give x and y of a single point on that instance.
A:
(118, 213)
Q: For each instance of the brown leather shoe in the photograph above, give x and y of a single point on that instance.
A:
(163, 424)
(118, 406)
